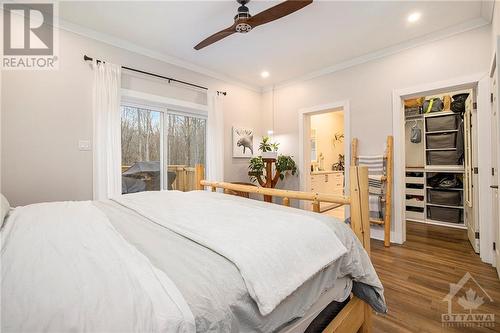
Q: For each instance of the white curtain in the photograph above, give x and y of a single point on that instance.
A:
(215, 138)
(107, 131)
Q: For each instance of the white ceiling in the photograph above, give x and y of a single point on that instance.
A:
(323, 34)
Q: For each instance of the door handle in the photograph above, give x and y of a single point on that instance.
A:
(494, 186)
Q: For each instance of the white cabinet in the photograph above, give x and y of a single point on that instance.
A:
(328, 182)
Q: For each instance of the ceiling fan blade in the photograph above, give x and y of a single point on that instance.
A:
(283, 9)
(216, 37)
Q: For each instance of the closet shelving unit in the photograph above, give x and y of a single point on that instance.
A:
(415, 194)
(419, 205)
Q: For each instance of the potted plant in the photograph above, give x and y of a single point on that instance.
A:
(256, 168)
(283, 164)
(269, 149)
(340, 165)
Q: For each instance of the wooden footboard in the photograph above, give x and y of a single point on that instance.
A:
(356, 315)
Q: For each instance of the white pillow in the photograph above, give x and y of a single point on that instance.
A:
(4, 208)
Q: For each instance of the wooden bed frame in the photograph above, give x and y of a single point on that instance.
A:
(356, 315)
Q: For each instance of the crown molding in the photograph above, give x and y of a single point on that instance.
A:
(486, 17)
(410, 44)
(124, 44)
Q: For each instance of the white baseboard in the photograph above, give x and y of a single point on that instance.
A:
(378, 233)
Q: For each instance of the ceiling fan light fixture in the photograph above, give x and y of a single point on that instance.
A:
(244, 22)
(243, 28)
(414, 17)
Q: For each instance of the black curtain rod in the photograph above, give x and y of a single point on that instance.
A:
(169, 79)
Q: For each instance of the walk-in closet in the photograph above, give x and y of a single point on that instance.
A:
(441, 159)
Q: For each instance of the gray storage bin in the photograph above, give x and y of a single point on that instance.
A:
(442, 157)
(441, 123)
(443, 197)
(444, 214)
(413, 111)
(444, 140)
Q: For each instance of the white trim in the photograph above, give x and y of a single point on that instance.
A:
(142, 104)
(124, 44)
(496, 224)
(133, 96)
(399, 149)
(406, 45)
(484, 165)
(302, 117)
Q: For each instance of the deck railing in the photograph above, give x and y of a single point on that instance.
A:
(186, 178)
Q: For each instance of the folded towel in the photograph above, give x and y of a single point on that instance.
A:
(375, 164)
(375, 206)
(375, 178)
(376, 170)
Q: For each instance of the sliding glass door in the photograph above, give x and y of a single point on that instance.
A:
(161, 149)
(186, 142)
(142, 134)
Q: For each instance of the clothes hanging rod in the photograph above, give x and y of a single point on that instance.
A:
(169, 79)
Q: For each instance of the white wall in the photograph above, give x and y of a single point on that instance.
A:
(495, 24)
(369, 87)
(45, 113)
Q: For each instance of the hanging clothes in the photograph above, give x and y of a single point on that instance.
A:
(416, 133)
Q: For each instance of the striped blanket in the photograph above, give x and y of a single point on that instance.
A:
(376, 170)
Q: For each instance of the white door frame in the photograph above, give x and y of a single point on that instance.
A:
(493, 65)
(304, 134)
(481, 80)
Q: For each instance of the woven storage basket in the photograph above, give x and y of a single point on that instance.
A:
(443, 140)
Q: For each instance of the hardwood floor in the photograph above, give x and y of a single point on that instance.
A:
(417, 276)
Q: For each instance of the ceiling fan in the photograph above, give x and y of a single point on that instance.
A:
(244, 22)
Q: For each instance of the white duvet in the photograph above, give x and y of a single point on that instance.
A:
(66, 269)
(275, 251)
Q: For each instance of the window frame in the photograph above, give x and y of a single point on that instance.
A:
(165, 106)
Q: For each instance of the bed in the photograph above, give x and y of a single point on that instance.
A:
(189, 262)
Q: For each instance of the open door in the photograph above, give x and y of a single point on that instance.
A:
(495, 147)
(470, 176)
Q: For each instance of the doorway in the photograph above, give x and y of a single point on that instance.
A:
(323, 156)
(440, 156)
(472, 171)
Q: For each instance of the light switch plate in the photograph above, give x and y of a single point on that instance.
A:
(84, 145)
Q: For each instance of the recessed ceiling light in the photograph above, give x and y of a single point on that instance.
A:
(414, 17)
(264, 74)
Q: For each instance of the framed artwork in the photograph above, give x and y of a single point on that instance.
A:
(242, 142)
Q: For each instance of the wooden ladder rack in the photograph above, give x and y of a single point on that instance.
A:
(387, 178)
